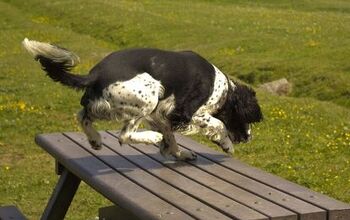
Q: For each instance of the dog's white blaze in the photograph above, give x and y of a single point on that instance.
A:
(249, 131)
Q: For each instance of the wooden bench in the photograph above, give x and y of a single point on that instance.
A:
(11, 212)
(147, 186)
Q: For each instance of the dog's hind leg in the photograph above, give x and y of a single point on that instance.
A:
(93, 136)
(129, 134)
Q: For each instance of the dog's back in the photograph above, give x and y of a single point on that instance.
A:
(173, 69)
(185, 74)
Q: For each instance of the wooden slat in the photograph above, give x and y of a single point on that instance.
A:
(115, 212)
(303, 209)
(337, 210)
(156, 186)
(264, 206)
(205, 195)
(11, 212)
(105, 180)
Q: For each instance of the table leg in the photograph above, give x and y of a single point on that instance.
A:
(61, 197)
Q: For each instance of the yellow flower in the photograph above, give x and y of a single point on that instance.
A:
(7, 168)
(21, 105)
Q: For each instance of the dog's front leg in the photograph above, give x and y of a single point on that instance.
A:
(214, 130)
(129, 134)
(93, 136)
(168, 146)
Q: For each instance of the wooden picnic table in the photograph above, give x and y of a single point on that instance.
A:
(136, 178)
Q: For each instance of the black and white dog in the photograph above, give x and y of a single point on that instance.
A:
(171, 91)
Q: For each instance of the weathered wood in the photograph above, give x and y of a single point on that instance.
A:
(147, 181)
(11, 213)
(138, 179)
(113, 185)
(62, 196)
(251, 200)
(197, 190)
(304, 210)
(336, 210)
(115, 212)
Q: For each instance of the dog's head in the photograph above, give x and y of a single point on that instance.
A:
(239, 112)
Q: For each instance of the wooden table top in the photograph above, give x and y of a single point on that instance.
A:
(215, 186)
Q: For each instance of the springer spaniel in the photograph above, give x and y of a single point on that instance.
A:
(171, 91)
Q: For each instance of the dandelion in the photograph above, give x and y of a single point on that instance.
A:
(7, 168)
(21, 105)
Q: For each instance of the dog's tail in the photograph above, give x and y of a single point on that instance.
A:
(57, 62)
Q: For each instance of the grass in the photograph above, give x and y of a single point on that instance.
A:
(304, 138)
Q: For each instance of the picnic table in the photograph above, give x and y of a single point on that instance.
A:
(144, 185)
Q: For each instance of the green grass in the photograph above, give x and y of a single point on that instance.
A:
(304, 138)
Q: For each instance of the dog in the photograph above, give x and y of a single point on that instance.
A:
(170, 91)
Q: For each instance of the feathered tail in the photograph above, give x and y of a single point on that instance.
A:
(57, 62)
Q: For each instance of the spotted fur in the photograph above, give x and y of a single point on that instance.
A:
(171, 91)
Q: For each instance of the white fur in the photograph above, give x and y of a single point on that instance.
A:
(52, 52)
(218, 96)
(202, 121)
(148, 137)
(130, 101)
(127, 100)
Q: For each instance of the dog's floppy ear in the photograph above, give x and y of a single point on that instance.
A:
(244, 103)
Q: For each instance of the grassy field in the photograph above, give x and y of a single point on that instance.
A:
(304, 138)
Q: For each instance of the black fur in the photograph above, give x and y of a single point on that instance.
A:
(185, 74)
(240, 109)
(59, 72)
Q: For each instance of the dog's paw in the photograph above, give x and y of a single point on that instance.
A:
(186, 155)
(229, 150)
(227, 146)
(96, 145)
